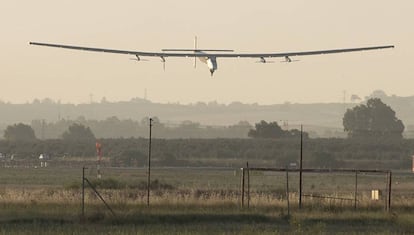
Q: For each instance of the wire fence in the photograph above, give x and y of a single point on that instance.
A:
(321, 187)
(216, 185)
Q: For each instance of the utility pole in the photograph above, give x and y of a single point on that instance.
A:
(83, 192)
(149, 162)
(300, 167)
(287, 189)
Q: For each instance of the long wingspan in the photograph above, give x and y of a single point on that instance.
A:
(216, 55)
(210, 56)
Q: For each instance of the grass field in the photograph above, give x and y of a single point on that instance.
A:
(198, 201)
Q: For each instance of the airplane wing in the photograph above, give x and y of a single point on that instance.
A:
(210, 56)
(303, 53)
(140, 53)
(216, 55)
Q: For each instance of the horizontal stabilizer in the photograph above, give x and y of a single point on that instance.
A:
(199, 50)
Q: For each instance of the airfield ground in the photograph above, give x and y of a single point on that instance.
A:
(198, 201)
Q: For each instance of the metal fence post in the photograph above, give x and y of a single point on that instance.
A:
(248, 185)
(149, 163)
(356, 189)
(242, 188)
(389, 190)
(100, 197)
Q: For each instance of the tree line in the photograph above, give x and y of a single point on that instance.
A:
(375, 119)
(113, 127)
(374, 135)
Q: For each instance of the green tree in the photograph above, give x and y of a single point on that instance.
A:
(19, 132)
(266, 130)
(375, 120)
(79, 133)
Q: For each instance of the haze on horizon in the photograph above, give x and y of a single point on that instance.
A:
(29, 72)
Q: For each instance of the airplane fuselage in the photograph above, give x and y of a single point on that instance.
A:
(211, 62)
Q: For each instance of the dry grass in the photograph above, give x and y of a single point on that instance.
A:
(194, 196)
(197, 203)
(57, 211)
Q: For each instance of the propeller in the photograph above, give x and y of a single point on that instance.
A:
(163, 62)
(288, 60)
(138, 59)
(264, 61)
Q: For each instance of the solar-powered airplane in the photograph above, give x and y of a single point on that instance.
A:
(209, 56)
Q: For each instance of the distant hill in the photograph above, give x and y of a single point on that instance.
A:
(319, 119)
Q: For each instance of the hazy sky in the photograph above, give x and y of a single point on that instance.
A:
(28, 72)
